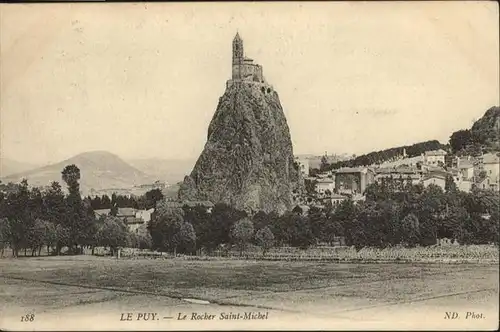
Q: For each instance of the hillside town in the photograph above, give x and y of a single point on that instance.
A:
(432, 167)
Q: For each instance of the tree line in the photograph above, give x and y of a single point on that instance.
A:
(391, 215)
(33, 218)
(143, 202)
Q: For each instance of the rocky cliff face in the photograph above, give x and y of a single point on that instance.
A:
(248, 158)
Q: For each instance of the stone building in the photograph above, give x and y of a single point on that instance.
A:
(435, 178)
(490, 164)
(244, 70)
(353, 180)
(322, 185)
(401, 174)
(435, 158)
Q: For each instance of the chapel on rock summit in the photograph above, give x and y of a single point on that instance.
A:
(244, 69)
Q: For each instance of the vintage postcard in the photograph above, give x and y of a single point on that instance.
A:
(249, 166)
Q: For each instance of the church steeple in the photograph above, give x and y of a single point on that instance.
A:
(237, 48)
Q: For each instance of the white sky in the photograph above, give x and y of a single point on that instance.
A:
(143, 80)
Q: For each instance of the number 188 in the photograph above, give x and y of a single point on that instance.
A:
(28, 318)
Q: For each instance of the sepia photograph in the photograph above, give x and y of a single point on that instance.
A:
(249, 166)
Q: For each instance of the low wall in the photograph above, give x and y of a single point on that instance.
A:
(432, 254)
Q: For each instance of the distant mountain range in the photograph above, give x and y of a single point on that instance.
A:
(98, 169)
(9, 166)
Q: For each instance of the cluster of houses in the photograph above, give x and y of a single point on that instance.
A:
(135, 218)
(429, 168)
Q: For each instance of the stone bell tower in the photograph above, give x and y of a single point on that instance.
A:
(238, 56)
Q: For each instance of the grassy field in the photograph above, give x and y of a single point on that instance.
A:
(320, 289)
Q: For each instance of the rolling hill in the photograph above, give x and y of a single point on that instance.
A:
(99, 170)
(482, 137)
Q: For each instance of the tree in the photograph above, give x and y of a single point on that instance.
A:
(317, 222)
(114, 209)
(450, 185)
(165, 226)
(87, 235)
(296, 230)
(143, 239)
(324, 163)
(37, 236)
(345, 215)
(54, 208)
(460, 140)
(242, 232)
(113, 234)
(410, 230)
(50, 236)
(200, 219)
(261, 219)
(18, 215)
(76, 222)
(378, 191)
(4, 235)
(217, 229)
(186, 239)
(153, 196)
(264, 239)
(71, 176)
(62, 237)
(376, 224)
(430, 211)
(310, 186)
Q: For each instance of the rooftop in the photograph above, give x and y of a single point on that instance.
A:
(353, 170)
(435, 176)
(439, 152)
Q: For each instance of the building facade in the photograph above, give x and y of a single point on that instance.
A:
(322, 185)
(435, 158)
(437, 179)
(353, 180)
(489, 163)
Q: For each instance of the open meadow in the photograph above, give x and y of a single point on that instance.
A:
(325, 294)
